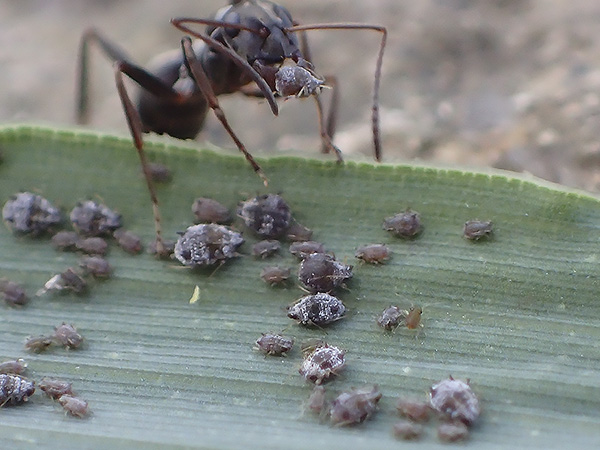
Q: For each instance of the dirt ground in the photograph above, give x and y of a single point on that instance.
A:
(511, 84)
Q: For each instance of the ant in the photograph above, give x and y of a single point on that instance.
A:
(250, 46)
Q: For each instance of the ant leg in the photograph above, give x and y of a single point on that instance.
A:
(197, 72)
(326, 142)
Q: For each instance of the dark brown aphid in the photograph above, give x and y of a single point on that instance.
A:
(159, 173)
(207, 244)
(412, 319)
(317, 400)
(275, 275)
(407, 430)
(68, 280)
(320, 272)
(68, 336)
(322, 363)
(96, 266)
(274, 344)
(374, 253)
(319, 310)
(391, 318)
(14, 294)
(455, 400)
(55, 388)
(302, 249)
(30, 214)
(38, 344)
(298, 233)
(406, 224)
(266, 248)
(354, 407)
(477, 229)
(74, 405)
(128, 241)
(292, 80)
(413, 409)
(92, 246)
(90, 218)
(18, 366)
(268, 215)
(15, 389)
(452, 432)
(207, 210)
(65, 240)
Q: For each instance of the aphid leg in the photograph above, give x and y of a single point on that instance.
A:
(375, 107)
(197, 72)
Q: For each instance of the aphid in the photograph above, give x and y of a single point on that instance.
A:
(268, 215)
(320, 272)
(455, 400)
(207, 210)
(412, 318)
(302, 249)
(128, 241)
(274, 344)
(406, 224)
(207, 244)
(67, 280)
(18, 366)
(354, 407)
(275, 275)
(90, 218)
(266, 248)
(167, 251)
(74, 405)
(407, 430)
(159, 173)
(391, 318)
(414, 410)
(374, 253)
(38, 344)
(65, 240)
(319, 309)
(317, 400)
(298, 232)
(452, 431)
(292, 80)
(30, 214)
(477, 229)
(68, 336)
(15, 389)
(322, 363)
(92, 246)
(14, 294)
(55, 388)
(96, 266)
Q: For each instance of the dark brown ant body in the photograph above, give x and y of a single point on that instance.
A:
(248, 41)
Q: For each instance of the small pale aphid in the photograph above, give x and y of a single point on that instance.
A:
(407, 430)
(14, 294)
(302, 249)
(268, 215)
(317, 400)
(67, 335)
(90, 218)
(96, 266)
(391, 318)
(159, 172)
(415, 410)
(275, 275)
(74, 405)
(374, 253)
(274, 344)
(320, 272)
(65, 240)
(319, 309)
(29, 213)
(266, 248)
(452, 432)
(355, 406)
(15, 389)
(38, 344)
(406, 224)
(477, 229)
(455, 400)
(298, 232)
(92, 246)
(412, 319)
(207, 210)
(55, 388)
(207, 244)
(128, 241)
(16, 366)
(67, 280)
(322, 363)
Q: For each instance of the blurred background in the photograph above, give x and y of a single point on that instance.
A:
(511, 84)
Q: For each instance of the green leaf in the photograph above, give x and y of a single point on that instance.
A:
(518, 314)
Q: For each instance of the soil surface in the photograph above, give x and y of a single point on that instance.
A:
(511, 84)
